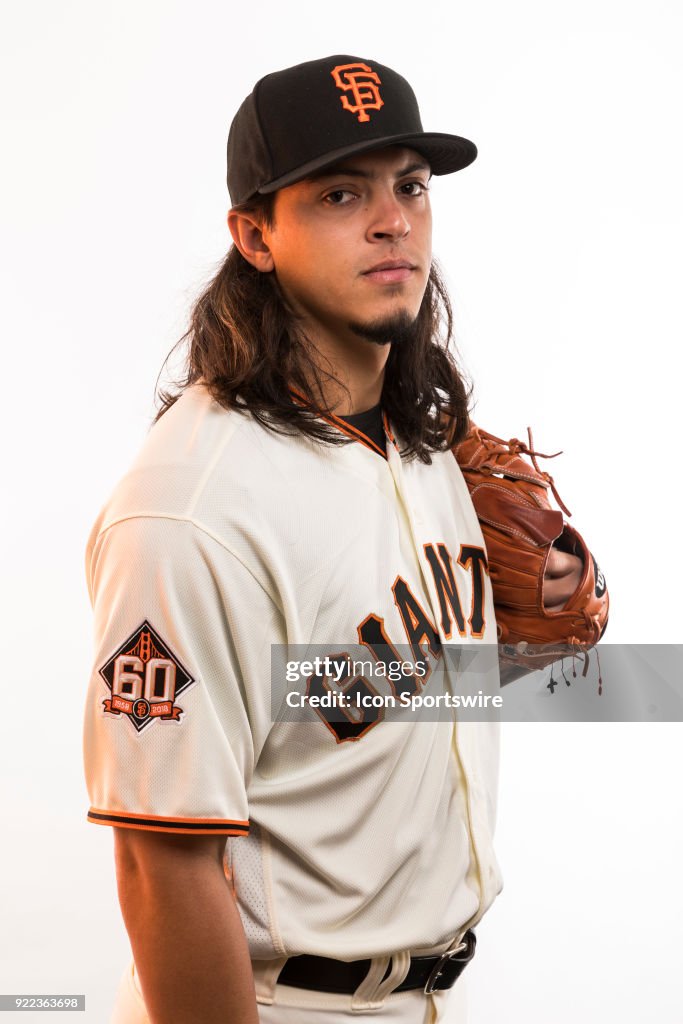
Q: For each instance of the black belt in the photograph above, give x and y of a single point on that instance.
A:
(430, 973)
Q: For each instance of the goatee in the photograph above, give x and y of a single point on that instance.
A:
(398, 329)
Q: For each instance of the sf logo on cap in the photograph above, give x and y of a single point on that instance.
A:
(362, 82)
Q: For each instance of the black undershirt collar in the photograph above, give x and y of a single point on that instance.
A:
(369, 423)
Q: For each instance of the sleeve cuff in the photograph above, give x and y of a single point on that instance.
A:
(181, 826)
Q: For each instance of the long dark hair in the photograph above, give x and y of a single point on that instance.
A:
(244, 347)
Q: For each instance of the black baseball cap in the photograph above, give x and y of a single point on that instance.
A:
(297, 121)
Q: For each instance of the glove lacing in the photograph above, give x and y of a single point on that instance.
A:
(501, 460)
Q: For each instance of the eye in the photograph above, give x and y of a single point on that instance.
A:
(339, 197)
(414, 188)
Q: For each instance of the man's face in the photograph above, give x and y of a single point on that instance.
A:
(352, 246)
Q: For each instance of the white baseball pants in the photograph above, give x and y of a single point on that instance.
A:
(299, 1006)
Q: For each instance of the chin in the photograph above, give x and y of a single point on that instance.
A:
(395, 326)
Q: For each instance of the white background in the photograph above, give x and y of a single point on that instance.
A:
(562, 246)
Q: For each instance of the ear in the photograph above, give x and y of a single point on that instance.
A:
(248, 235)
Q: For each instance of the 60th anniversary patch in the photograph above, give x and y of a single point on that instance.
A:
(144, 677)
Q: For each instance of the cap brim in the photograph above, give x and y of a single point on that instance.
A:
(445, 154)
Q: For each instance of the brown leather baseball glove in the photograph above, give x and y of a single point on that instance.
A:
(511, 499)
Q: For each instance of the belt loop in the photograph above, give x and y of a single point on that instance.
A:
(373, 991)
(400, 965)
(364, 996)
(266, 973)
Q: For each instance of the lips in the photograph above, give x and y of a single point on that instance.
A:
(390, 271)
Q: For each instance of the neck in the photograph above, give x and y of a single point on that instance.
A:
(358, 367)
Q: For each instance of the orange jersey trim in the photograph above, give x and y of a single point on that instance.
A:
(158, 823)
(388, 431)
(335, 421)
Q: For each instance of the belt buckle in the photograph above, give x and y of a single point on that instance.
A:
(464, 953)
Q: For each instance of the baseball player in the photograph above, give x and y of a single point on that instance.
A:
(298, 492)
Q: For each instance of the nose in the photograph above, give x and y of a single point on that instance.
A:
(388, 219)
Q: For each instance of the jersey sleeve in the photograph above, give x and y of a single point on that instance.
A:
(178, 702)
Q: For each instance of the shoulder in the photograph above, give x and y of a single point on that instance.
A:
(215, 468)
(173, 461)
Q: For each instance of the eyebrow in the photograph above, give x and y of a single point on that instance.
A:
(355, 172)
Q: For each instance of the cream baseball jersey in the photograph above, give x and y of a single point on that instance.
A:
(343, 839)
